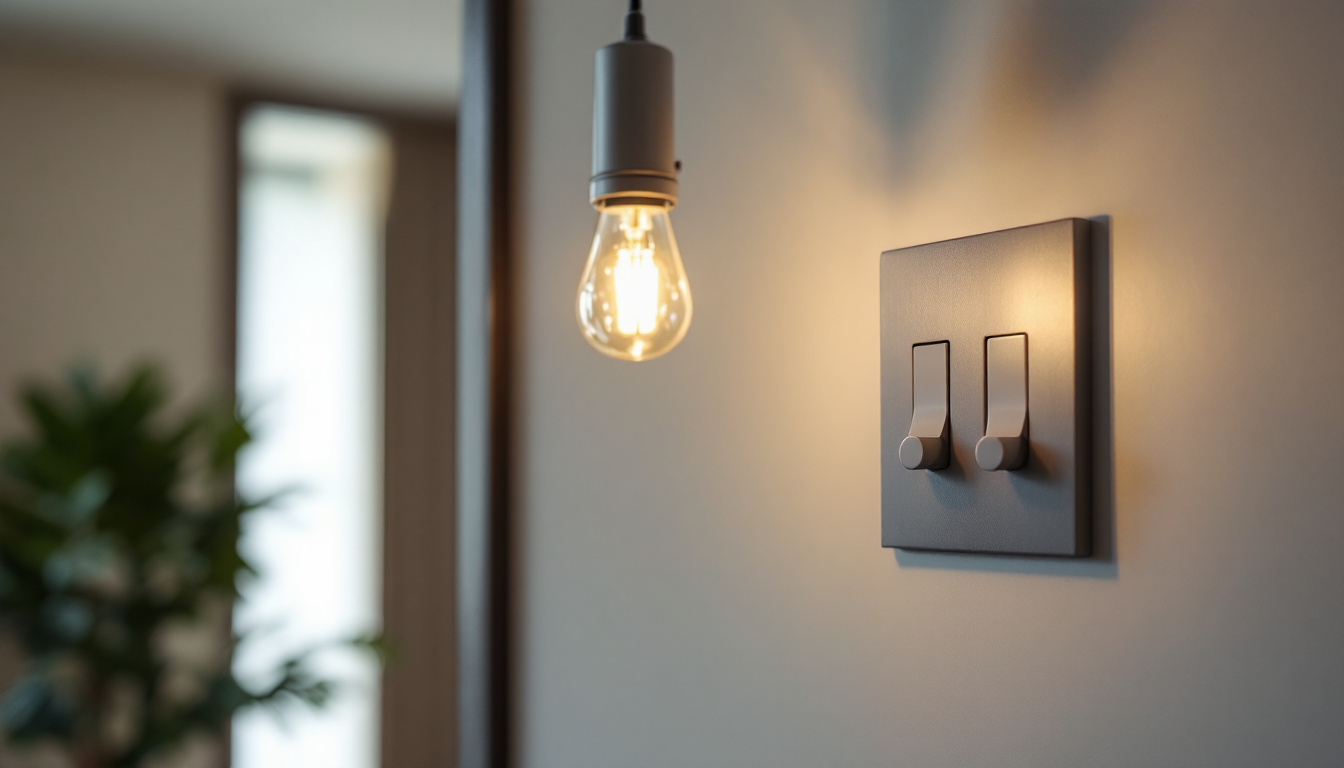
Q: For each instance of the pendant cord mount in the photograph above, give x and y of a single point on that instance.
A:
(634, 156)
(634, 22)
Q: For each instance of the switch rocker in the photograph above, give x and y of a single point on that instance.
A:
(926, 447)
(1004, 446)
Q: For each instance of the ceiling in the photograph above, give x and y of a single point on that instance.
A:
(396, 53)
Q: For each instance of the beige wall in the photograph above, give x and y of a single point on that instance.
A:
(112, 216)
(111, 220)
(702, 582)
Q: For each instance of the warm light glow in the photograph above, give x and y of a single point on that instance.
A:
(634, 302)
(636, 276)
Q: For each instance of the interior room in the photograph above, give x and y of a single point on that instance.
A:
(610, 383)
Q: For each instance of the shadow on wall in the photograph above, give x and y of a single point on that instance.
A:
(1103, 564)
(909, 39)
(1061, 46)
(1051, 52)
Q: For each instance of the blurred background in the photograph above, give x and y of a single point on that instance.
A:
(259, 195)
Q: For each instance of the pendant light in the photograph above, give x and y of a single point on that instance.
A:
(634, 302)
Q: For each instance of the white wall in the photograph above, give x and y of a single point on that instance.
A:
(111, 221)
(702, 582)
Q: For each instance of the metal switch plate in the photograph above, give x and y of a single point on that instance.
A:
(1030, 282)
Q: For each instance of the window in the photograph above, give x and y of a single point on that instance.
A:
(312, 195)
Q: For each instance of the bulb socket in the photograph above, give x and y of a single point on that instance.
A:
(634, 155)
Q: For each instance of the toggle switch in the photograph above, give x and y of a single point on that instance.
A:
(1004, 445)
(926, 445)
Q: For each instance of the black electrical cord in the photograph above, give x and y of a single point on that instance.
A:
(634, 22)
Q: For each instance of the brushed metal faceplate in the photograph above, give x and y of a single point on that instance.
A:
(1031, 280)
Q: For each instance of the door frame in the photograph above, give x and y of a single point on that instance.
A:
(484, 389)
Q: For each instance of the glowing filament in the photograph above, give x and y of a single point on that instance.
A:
(636, 277)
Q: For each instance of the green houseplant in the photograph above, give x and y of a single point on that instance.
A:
(119, 525)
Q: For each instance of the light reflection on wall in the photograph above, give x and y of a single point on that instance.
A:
(309, 330)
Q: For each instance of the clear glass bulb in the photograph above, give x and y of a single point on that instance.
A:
(634, 301)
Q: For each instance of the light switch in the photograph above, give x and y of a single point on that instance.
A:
(1004, 445)
(926, 445)
(1011, 313)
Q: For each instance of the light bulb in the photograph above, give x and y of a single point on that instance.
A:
(634, 302)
